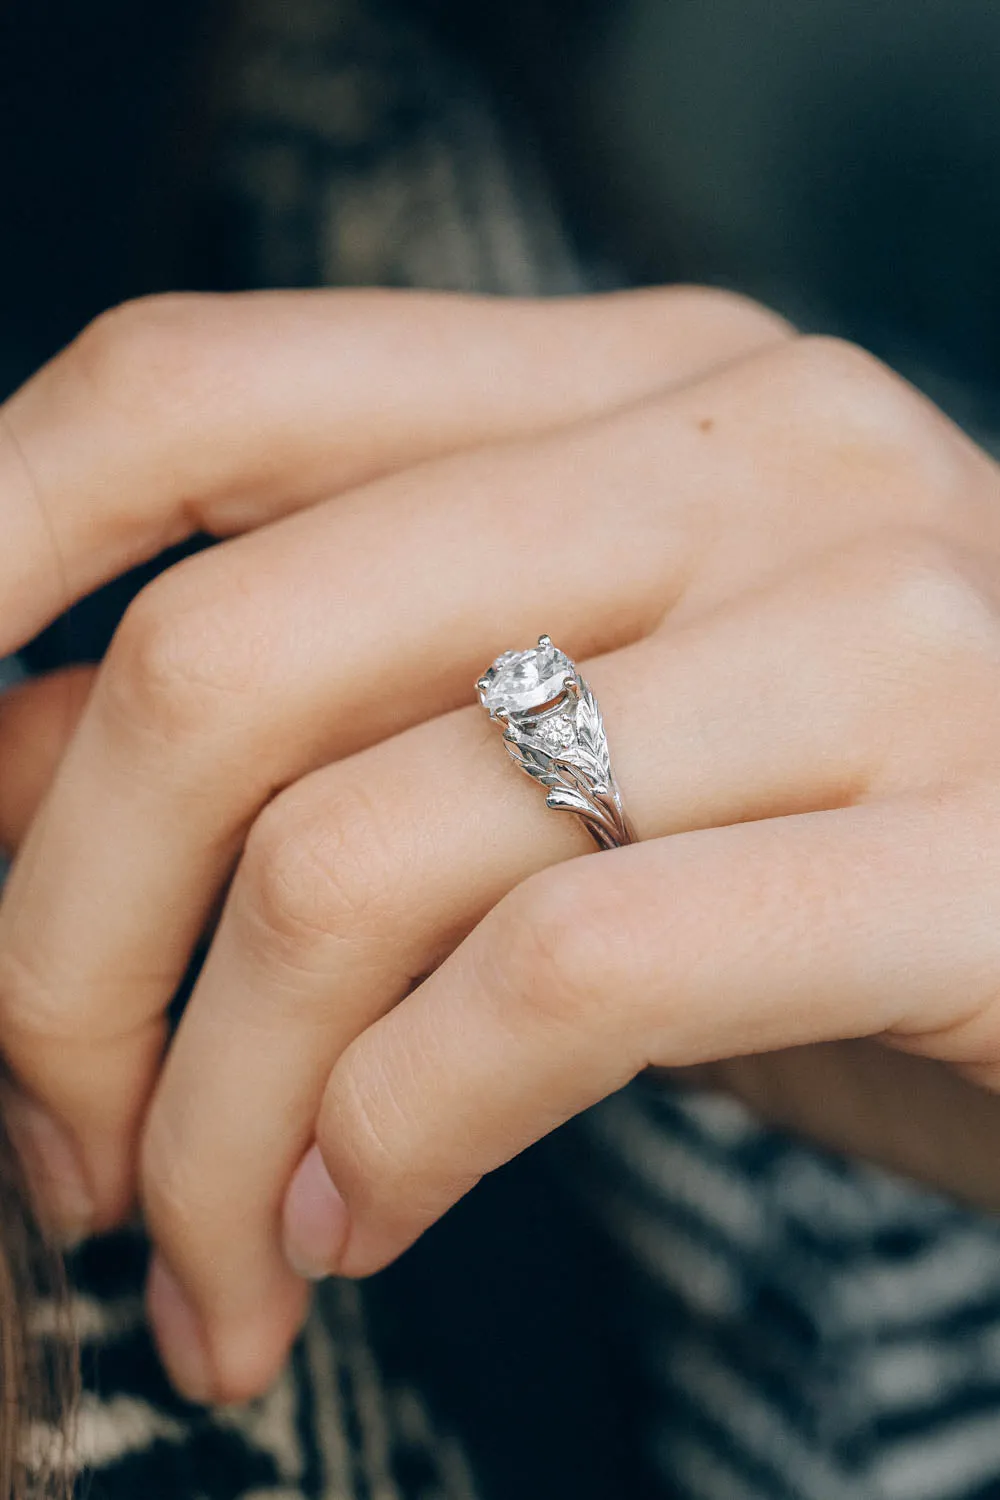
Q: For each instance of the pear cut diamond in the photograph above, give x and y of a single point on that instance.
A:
(553, 729)
(519, 681)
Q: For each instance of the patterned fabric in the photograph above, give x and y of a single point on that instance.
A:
(331, 1428)
(808, 1329)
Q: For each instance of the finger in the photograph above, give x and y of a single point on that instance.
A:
(361, 878)
(37, 719)
(844, 923)
(311, 638)
(216, 413)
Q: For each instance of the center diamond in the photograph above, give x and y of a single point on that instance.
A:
(522, 680)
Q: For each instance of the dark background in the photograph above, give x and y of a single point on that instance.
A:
(102, 129)
(839, 159)
(94, 100)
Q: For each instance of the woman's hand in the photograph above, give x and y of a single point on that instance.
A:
(784, 566)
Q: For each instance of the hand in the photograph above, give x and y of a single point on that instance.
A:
(785, 564)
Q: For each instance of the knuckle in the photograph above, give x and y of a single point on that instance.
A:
(178, 663)
(836, 362)
(553, 950)
(853, 394)
(740, 315)
(872, 431)
(930, 597)
(143, 352)
(832, 369)
(310, 870)
(862, 405)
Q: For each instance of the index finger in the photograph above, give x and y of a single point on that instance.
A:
(180, 414)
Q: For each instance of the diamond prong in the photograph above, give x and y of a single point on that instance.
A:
(483, 684)
(545, 640)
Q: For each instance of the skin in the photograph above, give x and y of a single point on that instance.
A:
(777, 565)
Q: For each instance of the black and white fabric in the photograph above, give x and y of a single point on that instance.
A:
(804, 1328)
(809, 1328)
(331, 1428)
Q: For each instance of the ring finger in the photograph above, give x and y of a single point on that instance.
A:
(363, 876)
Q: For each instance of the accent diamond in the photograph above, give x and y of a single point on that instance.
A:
(555, 733)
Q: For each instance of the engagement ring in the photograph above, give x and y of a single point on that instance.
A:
(553, 729)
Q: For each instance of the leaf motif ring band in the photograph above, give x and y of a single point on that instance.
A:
(553, 729)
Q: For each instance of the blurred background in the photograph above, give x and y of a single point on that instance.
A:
(840, 159)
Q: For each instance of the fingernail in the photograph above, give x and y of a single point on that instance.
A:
(179, 1334)
(315, 1219)
(52, 1162)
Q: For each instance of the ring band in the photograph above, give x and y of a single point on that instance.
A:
(553, 729)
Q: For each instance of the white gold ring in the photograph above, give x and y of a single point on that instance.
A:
(553, 729)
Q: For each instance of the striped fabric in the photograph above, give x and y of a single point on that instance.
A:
(331, 1428)
(809, 1328)
(804, 1328)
